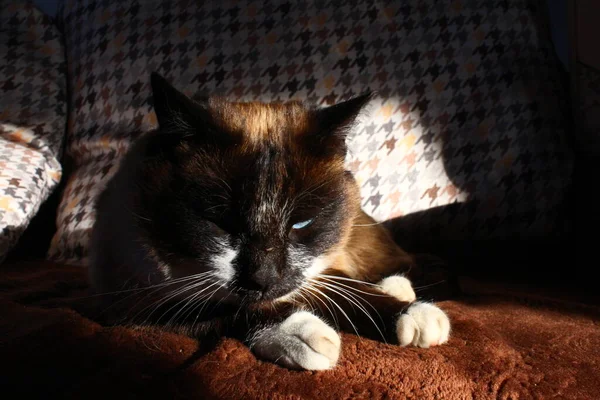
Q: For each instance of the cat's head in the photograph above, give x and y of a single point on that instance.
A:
(256, 193)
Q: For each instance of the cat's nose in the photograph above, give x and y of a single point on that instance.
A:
(259, 268)
(261, 279)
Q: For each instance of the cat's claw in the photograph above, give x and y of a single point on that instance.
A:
(398, 287)
(302, 341)
(423, 325)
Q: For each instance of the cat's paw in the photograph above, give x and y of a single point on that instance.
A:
(302, 341)
(423, 325)
(398, 287)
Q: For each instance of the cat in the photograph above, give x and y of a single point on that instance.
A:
(241, 219)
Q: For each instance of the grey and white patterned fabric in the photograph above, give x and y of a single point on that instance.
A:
(468, 108)
(32, 115)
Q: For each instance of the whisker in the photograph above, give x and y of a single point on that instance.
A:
(355, 289)
(198, 300)
(429, 285)
(339, 308)
(160, 302)
(360, 298)
(352, 299)
(155, 288)
(343, 278)
(204, 302)
(155, 305)
(222, 298)
(306, 301)
(240, 308)
(337, 324)
(373, 224)
(198, 294)
(139, 289)
(191, 300)
(170, 282)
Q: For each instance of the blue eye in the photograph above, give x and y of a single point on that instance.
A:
(302, 224)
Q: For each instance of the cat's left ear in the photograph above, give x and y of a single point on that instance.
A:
(334, 123)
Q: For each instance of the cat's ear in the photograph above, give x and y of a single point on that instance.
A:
(334, 123)
(173, 108)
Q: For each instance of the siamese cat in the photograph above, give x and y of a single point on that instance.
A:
(241, 219)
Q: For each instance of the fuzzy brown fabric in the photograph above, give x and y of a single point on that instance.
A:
(501, 347)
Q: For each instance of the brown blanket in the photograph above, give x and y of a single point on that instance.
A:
(502, 347)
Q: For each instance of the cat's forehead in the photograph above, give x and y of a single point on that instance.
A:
(263, 122)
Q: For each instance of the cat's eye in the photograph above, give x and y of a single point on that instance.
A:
(303, 224)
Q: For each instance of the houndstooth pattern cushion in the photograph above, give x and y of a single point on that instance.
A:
(32, 115)
(468, 109)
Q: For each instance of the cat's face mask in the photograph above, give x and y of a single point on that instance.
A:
(253, 196)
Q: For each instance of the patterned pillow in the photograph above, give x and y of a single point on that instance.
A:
(468, 109)
(32, 115)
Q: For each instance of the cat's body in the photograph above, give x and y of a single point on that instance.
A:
(241, 218)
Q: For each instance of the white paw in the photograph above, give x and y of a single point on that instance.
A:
(302, 341)
(423, 325)
(399, 287)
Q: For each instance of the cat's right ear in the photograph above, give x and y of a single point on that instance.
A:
(174, 110)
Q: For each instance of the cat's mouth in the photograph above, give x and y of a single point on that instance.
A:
(255, 297)
(273, 294)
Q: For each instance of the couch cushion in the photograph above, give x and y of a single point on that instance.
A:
(32, 115)
(469, 109)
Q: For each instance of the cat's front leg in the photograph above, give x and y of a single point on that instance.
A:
(422, 324)
(301, 341)
(388, 310)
